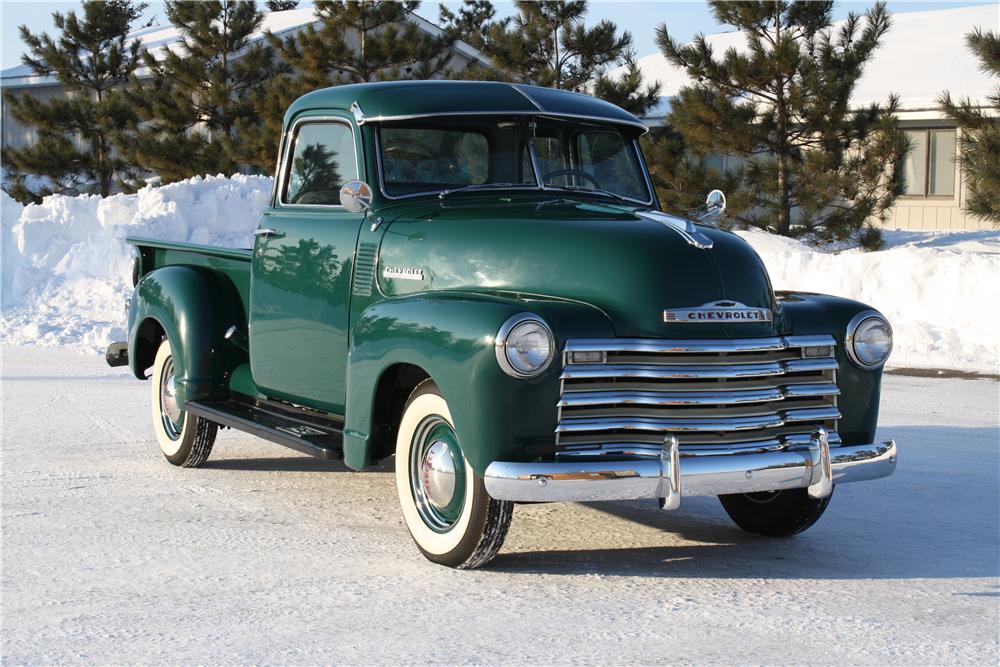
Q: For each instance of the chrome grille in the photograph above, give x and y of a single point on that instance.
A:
(622, 397)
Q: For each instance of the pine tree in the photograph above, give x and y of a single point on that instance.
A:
(980, 139)
(627, 89)
(683, 179)
(355, 42)
(813, 167)
(281, 5)
(201, 91)
(92, 58)
(471, 22)
(548, 44)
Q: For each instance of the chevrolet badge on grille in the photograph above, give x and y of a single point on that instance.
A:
(717, 311)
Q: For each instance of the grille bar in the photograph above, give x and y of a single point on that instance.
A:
(679, 371)
(723, 424)
(576, 399)
(716, 396)
(696, 346)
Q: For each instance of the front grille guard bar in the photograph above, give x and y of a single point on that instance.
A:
(816, 468)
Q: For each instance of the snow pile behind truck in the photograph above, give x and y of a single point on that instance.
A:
(66, 265)
(66, 269)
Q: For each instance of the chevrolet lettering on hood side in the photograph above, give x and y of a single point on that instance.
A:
(475, 278)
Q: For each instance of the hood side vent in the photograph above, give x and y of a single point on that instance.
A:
(364, 269)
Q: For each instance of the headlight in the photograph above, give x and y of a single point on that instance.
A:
(524, 346)
(869, 339)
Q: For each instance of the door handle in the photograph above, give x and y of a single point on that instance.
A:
(266, 233)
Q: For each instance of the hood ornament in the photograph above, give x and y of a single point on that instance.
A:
(727, 312)
(685, 228)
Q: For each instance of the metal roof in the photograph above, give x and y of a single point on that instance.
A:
(397, 100)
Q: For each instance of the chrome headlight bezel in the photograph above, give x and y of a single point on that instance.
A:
(857, 324)
(508, 330)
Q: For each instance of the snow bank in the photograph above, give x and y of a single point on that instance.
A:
(66, 265)
(940, 291)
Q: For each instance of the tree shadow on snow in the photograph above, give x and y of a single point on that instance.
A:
(938, 516)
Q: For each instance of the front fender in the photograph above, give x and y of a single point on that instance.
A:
(193, 306)
(451, 337)
(860, 389)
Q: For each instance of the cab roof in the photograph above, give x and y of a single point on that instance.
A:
(398, 100)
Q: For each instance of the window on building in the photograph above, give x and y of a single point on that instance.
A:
(929, 170)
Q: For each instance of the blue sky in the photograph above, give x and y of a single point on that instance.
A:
(683, 19)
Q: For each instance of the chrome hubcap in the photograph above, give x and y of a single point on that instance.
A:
(170, 406)
(438, 476)
(173, 416)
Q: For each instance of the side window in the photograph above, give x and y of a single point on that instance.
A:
(322, 161)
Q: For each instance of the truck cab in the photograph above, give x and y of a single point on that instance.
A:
(476, 278)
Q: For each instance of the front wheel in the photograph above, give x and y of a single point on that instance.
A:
(775, 513)
(185, 440)
(445, 505)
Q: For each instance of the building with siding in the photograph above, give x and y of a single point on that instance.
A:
(923, 54)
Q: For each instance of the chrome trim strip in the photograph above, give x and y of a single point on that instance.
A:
(527, 96)
(684, 227)
(681, 425)
(696, 424)
(285, 166)
(498, 112)
(811, 390)
(578, 399)
(605, 451)
(670, 346)
(708, 371)
(810, 414)
(701, 476)
(652, 372)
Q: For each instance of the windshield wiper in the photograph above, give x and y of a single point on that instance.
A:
(606, 193)
(475, 186)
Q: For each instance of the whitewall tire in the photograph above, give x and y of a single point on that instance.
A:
(185, 440)
(446, 508)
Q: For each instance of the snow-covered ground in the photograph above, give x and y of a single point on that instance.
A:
(112, 556)
(65, 270)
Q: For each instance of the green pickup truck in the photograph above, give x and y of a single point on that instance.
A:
(476, 278)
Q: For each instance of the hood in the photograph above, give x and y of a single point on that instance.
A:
(630, 267)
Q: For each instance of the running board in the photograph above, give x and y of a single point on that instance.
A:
(303, 430)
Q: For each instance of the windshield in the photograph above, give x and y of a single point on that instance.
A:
(435, 156)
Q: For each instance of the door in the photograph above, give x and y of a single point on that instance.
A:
(301, 271)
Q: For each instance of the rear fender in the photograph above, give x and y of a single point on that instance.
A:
(193, 306)
(451, 338)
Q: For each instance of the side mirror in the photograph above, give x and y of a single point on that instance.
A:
(356, 196)
(715, 205)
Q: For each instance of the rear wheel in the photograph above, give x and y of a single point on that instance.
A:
(775, 513)
(445, 505)
(185, 440)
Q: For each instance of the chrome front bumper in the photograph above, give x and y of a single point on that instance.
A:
(816, 467)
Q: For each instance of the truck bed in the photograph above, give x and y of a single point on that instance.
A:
(232, 262)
